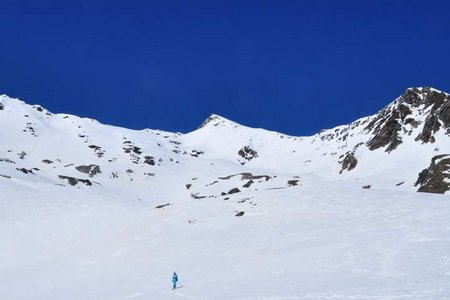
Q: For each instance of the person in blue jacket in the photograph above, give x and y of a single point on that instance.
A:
(174, 280)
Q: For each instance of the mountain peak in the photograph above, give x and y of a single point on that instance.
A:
(418, 96)
(216, 120)
(420, 110)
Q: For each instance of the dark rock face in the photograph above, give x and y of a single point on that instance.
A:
(247, 176)
(7, 160)
(240, 214)
(91, 170)
(2, 107)
(434, 99)
(150, 160)
(423, 175)
(196, 153)
(234, 191)
(137, 150)
(293, 182)
(98, 150)
(444, 115)
(212, 183)
(133, 149)
(431, 126)
(349, 162)
(438, 104)
(412, 122)
(25, 171)
(404, 111)
(47, 161)
(435, 178)
(386, 132)
(74, 181)
(247, 153)
(250, 176)
(162, 205)
(393, 120)
(423, 96)
(439, 113)
(29, 128)
(248, 184)
(197, 196)
(210, 119)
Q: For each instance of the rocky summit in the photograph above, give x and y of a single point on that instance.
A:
(424, 107)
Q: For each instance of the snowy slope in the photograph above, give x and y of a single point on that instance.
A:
(92, 211)
(383, 150)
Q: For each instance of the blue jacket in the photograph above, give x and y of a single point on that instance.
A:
(175, 277)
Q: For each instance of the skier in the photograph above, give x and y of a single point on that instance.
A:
(174, 280)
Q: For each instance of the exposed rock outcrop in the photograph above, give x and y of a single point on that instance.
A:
(247, 153)
(386, 132)
(438, 104)
(435, 178)
(74, 181)
(150, 160)
(248, 184)
(430, 127)
(233, 191)
(406, 112)
(349, 162)
(293, 182)
(213, 120)
(91, 170)
(7, 160)
(25, 171)
(162, 205)
(208, 120)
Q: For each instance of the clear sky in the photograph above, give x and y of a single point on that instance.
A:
(290, 66)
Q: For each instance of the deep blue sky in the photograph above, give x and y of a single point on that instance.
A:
(289, 66)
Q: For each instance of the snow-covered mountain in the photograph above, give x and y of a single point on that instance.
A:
(388, 150)
(93, 211)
